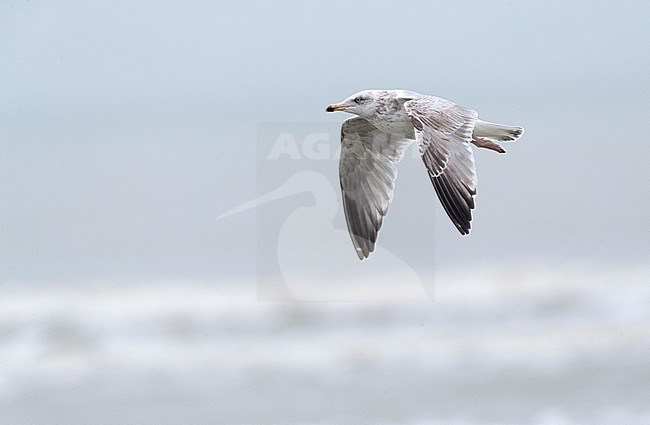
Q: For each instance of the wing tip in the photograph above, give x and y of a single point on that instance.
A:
(458, 207)
(364, 253)
(464, 230)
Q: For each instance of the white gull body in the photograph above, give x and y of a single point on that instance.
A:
(373, 143)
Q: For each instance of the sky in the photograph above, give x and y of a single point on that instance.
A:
(127, 128)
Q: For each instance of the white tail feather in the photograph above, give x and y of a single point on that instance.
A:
(502, 133)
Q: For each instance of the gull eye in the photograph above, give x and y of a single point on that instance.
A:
(358, 99)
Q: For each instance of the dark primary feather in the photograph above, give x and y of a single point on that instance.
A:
(443, 131)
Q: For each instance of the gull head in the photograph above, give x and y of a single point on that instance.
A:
(364, 104)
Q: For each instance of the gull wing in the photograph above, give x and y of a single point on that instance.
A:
(367, 171)
(443, 131)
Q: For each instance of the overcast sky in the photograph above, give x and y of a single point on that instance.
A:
(126, 128)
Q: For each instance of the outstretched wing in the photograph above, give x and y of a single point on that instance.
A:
(443, 131)
(367, 170)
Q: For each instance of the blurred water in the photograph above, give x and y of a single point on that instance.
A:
(522, 346)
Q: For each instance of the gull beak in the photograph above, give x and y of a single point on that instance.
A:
(336, 107)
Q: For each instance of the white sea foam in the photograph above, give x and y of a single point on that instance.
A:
(530, 345)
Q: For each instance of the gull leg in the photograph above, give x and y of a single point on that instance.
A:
(487, 144)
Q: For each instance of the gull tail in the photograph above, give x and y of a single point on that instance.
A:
(498, 132)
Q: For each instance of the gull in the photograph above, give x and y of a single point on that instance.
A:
(387, 122)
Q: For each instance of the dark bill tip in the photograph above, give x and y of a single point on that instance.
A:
(329, 109)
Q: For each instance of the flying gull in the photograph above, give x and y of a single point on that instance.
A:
(387, 122)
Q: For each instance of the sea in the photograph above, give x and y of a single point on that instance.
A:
(501, 345)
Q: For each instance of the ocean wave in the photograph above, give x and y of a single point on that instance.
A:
(528, 345)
